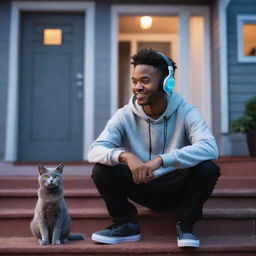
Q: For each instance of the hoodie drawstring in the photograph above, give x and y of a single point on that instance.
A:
(150, 145)
(165, 132)
(165, 136)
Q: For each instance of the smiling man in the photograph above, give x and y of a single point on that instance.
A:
(155, 151)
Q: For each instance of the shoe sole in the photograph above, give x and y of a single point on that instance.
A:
(115, 240)
(188, 243)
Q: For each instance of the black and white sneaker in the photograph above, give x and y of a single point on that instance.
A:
(118, 233)
(186, 236)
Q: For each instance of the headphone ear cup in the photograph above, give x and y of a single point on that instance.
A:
(168, 84)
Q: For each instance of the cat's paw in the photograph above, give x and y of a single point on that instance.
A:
(43, 242)
(56, 242)
(64, 241)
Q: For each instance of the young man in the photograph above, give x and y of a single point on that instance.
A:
(155, 151)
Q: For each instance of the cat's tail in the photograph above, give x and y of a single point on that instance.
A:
(76, 236)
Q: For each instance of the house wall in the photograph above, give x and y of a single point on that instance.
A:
(241, 76)
(4, 51)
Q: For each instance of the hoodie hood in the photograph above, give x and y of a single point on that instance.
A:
(173, 102)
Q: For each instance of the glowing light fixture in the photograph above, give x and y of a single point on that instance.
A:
(146, 22)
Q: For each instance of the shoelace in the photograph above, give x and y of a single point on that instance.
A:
(115, 226)
(186, 228)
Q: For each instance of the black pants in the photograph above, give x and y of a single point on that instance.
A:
(183, 190)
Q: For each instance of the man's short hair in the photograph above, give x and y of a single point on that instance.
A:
(151, 57)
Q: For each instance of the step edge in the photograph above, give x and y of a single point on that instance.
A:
(92, 192)
(165, 246)
(248, 213)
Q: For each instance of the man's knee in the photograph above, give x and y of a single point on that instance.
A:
(98, 172)
(208, 170)
(104, 173)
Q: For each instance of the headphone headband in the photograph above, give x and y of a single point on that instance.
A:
(167, 60)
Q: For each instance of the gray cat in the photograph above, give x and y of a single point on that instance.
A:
(51, 223)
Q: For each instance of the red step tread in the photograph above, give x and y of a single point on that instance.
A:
(92, 192)
(102, 213)
(23, 192)
(230, 165)
(148, 245)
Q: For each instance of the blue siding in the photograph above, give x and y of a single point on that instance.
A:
(4, 51)
(102, 66)
(241, 76)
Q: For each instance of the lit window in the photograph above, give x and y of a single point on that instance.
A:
(246, 38)
(249, 39)
(52, 36)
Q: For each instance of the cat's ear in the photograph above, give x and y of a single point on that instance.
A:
(60, 167)
(41, 169)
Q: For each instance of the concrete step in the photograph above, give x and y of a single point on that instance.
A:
(89, 197)
(30, 182)
(237, 166)
(155, 246)
(230, 166)
(233, 222)
(85, 182)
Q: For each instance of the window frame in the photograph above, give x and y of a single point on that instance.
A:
(241, 20)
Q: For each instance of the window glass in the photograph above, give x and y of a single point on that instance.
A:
(52, 36)
(249, 36)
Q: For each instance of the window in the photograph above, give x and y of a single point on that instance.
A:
(52, 36)
(246, 38)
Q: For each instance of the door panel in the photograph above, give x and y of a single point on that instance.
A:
(51, 103)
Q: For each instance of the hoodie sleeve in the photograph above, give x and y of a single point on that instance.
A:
(203, 146)
(107, 147)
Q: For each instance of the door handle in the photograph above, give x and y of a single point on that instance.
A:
(79, 83)
(79, 76)
(79, 95)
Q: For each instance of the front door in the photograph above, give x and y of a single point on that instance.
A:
(51, 83)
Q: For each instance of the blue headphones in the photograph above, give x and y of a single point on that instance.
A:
(169, 81)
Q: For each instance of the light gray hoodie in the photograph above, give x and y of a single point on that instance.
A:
(179, 136)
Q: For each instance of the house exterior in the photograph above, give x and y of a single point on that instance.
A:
(64, 68)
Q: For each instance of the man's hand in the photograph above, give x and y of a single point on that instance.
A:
(141, 172)
(154, 164)
(137, 167)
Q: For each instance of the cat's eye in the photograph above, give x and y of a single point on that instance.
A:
(56, 176)
(46, 176)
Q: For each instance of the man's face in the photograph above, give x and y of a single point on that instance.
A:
(145, 84)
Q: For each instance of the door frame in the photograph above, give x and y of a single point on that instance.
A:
(88, 8)
(183, 12)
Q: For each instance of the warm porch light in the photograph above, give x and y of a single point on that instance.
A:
(145, 22)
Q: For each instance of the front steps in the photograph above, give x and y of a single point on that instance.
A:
(157, 246)
(228, 226)
(220, 219)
